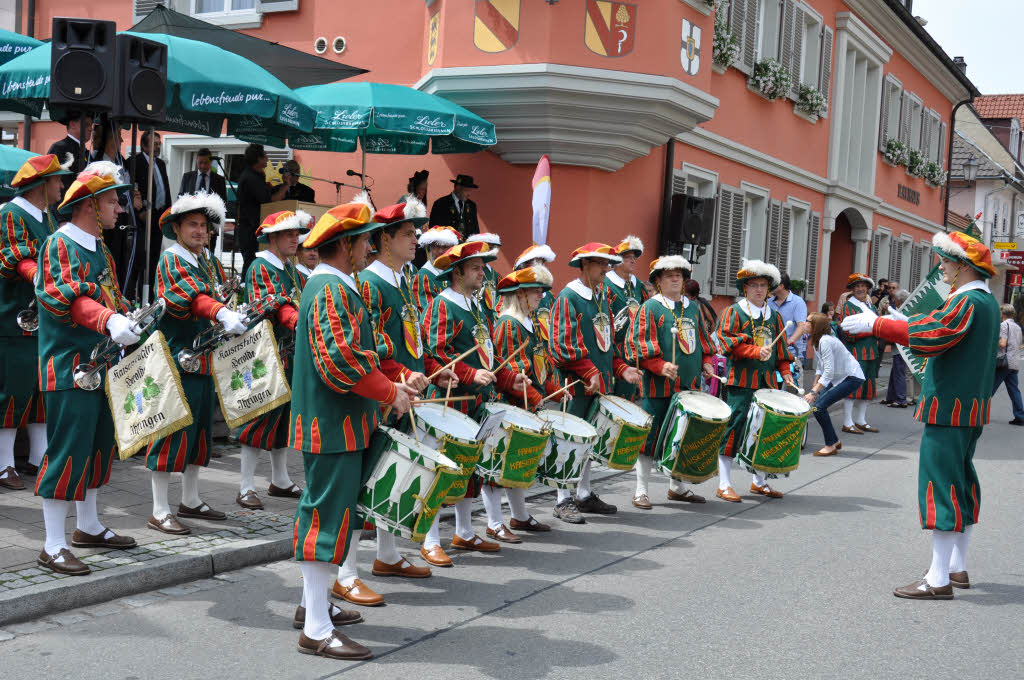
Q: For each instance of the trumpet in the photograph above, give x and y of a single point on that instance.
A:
(225, 290)
(87, 375)
(622, 318)
(191, 359)
(286, 344)
(28, 319)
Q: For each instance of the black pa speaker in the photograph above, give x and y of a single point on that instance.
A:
(82, 64)
(692, 219)
(141, 80)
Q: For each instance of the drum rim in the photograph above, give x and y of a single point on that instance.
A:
(505, 407)
(629, 405)
(703, 396)
(806, 409)
(457, 415)
(555, 431)
(439, 459)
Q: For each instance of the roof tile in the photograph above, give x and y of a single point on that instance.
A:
(1000, 106)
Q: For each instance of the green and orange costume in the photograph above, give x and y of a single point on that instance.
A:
(864, 346)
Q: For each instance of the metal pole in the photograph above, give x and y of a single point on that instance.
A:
(234, 241)
(149, 215)
(30, 31)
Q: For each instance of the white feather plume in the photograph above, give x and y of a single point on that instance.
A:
(68, 161)
(300, 220)
(438, 237)
(485, 237)
(364, 198)
(414, 208)
(211, 204)
(105, 169)
(543, 275)
(947, 245)
(760, 268)
(533, 253)
(633, 243)
(670, 262)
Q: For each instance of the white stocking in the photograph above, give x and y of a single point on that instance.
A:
(491, 496)
(643, 475)
(517, 504)
(190, 487)
(562, 494)
(583, 489)
(279, 469)
(55, 514)
(958, 560)
(88, 519)
(249, 457)
(7, 436)
(36, 443)
(676, 486)
(316, 579)
(159, 481)
(433, 537)
(348, 571)
(464, 519)
(942, 550)
(387, 552)
(847, 412)
(724, 472)
(759, 479)
(860, 412)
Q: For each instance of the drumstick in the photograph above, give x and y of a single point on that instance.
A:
(559, 391)
(502, 364)
(439, 400)
(412, 416)
(783, 332)
(717, 377)
(447, 398)
(453, 362)
(526, 403)
(565, 404)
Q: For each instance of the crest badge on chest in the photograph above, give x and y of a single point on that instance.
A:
(484, 346)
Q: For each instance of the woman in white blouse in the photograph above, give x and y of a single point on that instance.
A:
(838, 375)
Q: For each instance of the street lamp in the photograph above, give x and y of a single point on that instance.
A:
(971, 169)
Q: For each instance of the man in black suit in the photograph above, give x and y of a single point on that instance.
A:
(140, 275)
(253, 191)
(296, 191)
(204, 179)
(70, 144)
(456, 210)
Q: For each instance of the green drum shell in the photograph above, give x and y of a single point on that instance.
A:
(619, 442)
(573, 449)
(465, 452)
(687, 447)
(412, 514)
(784, 437)
(511, 455)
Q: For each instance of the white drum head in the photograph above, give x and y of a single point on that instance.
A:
(778, 400)
(569, 424)
(618, 407)
(452, 422)
(517, 416)
(703, 404)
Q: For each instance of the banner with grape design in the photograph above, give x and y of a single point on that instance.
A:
(146, 397)
(249, 375)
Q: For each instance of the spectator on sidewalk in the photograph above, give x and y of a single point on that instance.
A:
(837, 376)
(896, 394)
(1008, 362)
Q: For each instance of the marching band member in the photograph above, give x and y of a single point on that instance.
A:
(337, 391)
(521, 293)
(186, 281)
(959, 339)
(79, 303)
(625, 291)
(865, 348)
(272, 274)
(745, 331)
(457, 322)
(25, 223)
(582, 343)
(307, 259)
(395, 318)
(669, 318)
(428, 282)
(531, 257)
(489, 293)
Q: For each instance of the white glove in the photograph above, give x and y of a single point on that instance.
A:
(897, 315)
(122, 330)
(233, 322)
(858, 324)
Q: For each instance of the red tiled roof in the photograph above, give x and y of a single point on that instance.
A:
(1000, 106)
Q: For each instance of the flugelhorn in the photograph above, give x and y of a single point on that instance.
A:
(225, 290)
(622, 318)
(87, 375)
(191, 359)
(28, 319)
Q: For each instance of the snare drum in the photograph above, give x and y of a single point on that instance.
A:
(407, 486)
(454, 435)
(512, 453)
(774, 433)
(688, 444)
(571, 440)
(622, 428)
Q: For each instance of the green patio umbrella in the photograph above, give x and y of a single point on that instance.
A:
(15, 44)
(205, 86)
(11, 160)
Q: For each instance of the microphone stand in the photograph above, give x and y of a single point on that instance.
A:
(337, 185)
(234, 239)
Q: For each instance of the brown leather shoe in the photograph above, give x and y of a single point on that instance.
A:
(503, 534)
(70, 565)
(291, 492)
(249, 500)
(357, 593)
(334, 646)
(9, 479)
(687, 496)
(436, 556)
(867, 428)
(852, 430)
(959, 579)
(168, 525)
(920, 590)
(104, 539)
(765, 491)
(642, 502)
(339, 616)
(529, 524)
(476, 543)
(402, 568)
(204, 511)
(728, 495)
(827, 451)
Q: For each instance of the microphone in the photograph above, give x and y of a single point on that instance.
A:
(353, 173)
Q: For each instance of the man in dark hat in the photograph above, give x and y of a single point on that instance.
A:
(456, 210)
(296, 191)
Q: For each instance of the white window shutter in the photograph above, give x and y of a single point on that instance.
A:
(678, 182)
(797, 62)
(825, 77)
(751, 30)
(786, 51)
(736, 236)
(926, 133)
(915, 266)
(883, 128)
(785, 227)
(278, 5)
(720, 283)
(906, 111)
(142, 8)
(942, 146)
(894, 260)
(738, 26)
(774, 225)
(876, 240)
(811, 282)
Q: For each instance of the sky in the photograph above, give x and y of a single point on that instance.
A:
(985, 33)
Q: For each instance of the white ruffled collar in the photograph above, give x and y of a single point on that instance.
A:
(35, 212)
(457, 298)
(581, 289)
(324, 268)
(389, 275)
(863, 306)
(429, 266)
(272, 258)
(977, 284)
(184, 253)
(79, 236)
(668, 304)
(754, 312)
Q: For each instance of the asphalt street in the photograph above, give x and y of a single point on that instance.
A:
(792, 588)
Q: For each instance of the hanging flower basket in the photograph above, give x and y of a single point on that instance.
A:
(811, 101)
(896, 153)
(726, 45)
(915, 163)
(933, 174)
(771, 79)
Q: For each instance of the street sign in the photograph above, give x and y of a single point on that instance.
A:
(1005, 245)
(1014, 257)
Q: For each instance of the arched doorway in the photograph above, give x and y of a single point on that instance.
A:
(841, 256)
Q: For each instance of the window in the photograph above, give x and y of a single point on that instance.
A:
(740, 231)
(799, 239)
(810, 52)
(755, 222)
(910, 121)
(931, 136)
(770, 38)
(222, 6)
(1014, 138)
(881, 250)
(890, 117)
